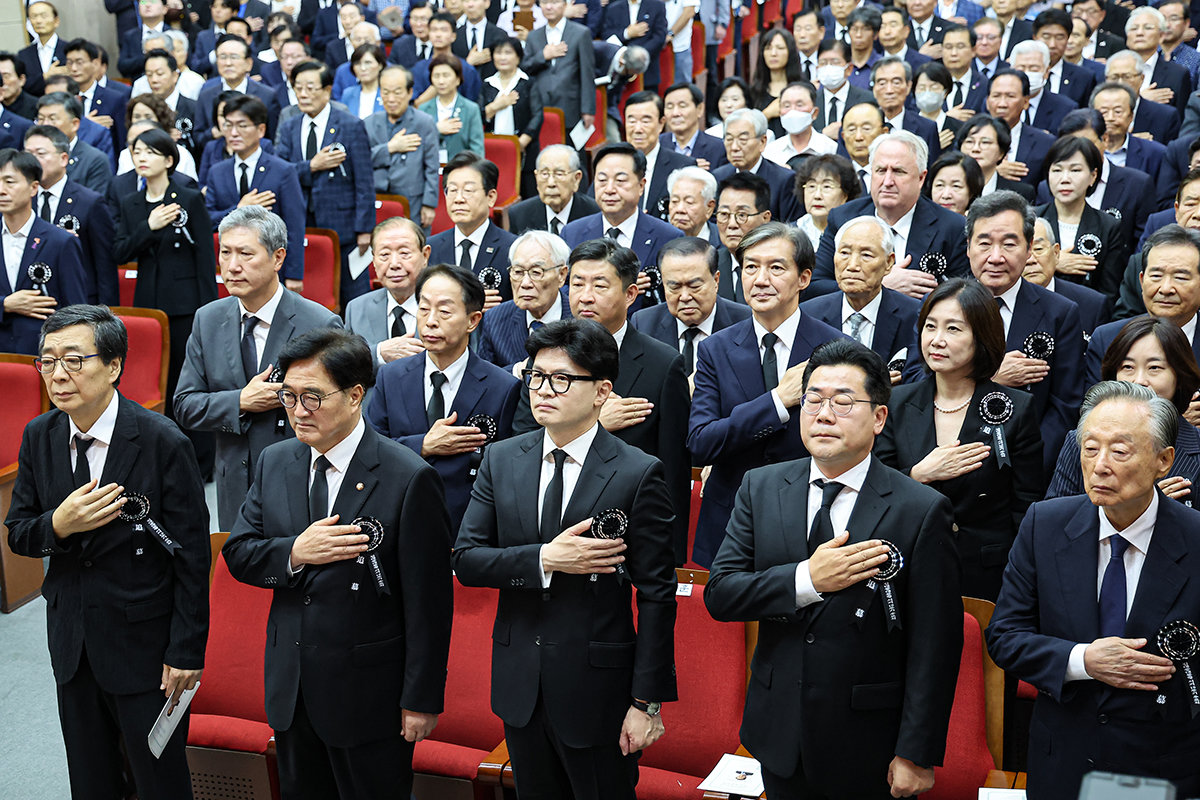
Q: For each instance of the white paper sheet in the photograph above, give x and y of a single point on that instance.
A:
(581, 133)
(736, 775)
(1001, 794)
(358, 263)
(166, 723)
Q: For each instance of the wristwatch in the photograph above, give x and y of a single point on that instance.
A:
(652, 709)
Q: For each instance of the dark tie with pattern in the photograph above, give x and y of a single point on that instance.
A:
(318, 495)
(83, 473)
(689, 347)
(614, 233)
(46, 215)
(464, 260)
(311, 147)
(555, 224)
(537, 324)
(770, 363)
(1112, 590)
(821, 530)
(856, 321)
(244, 181)
(437, 401)
(551, 523)
(249, 348)
(958, 93)
(398, 322)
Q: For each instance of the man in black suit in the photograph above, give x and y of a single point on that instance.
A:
(104, 106)
(559, 200)
(410, 48)
(926, 28)
(648, 30)
(892, 83)
(1157, 119)
(745, 140)
(46, 53)
(643, 128)
(863, 308)
(87, 164)
(683, 105)
(1168, 83)
(1102, 43)
(743, 204)
(12, 88)
(1095, 309)
(885, 688)
(1092, 585)
(574, 722)
(477, 35)
(350, 531)
(1052, 28)
(1008, 98)
(693, 311)
(128, 597)
(132, 58)
(1015, 29)
(1046, 109)
(836, 96)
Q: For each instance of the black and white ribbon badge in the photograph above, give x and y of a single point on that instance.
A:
(655, 276)
(1088, 245)
(491, 278)
(136, 511)
(488, 427)
(69, 223)
(374, 529)
(1179, 640)
(276, 376)
(180, 222)
(610, 524)
(934, 263)
(889, 570)
(1038, 344)
(338, 147)
(995, 409)
(39, 273)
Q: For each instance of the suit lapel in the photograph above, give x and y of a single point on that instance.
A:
(527, 469)
(296, 478)
(920, 432)
(597, 471)
(470, 390)
(281, 330)
(60, 456)
(793, 505)
(121, 459)
(1076, 561)
(744, 363)
(887, 324)
(413, 382)
(1026, 317)
(233, 352)
(1162, 578)
(360, 473)
(631, 366)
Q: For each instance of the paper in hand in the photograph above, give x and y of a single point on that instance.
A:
(581, 133)
(357, 262)
(168, 720)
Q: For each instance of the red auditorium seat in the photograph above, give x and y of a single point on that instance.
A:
(390, 205)
(554, 127)
(231, 748)
(25, 398)
(144, 379)
(126, 282)
(666, 66)
(322, 268)
(699, 71)
(505, 153)
(441, 218)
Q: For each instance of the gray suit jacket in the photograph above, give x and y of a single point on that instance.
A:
(211, 382)
(569, 82)
(415, 174)
(90, 167)
(366, 315)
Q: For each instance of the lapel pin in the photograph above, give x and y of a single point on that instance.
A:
(491, 250)
(262, 169)
(359, 487)
(70, 199)
(173, 195)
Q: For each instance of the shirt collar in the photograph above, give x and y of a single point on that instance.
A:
(626, 228)
(705, 325)
(50, 45)
(903, 225)
(57, 188)
(553, 314)
(870, 311)
(476, 238)
(786, 330)
(619, 336)
(251, 162)
(853, 478)
(1010, 296)
(105, 425)
(1139, 532)
(565, 215)
(266, 314)
(21, 232)
(990, 186)
(340, 454)
(453, 373)
(1189, 329)
(679, 146)
(495, 80)
(322, 120)
(576, 449)
(242, 87)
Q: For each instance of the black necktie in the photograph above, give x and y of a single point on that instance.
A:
(474, 40)
(613, 233)
(553, 500)
(82, 473)
(437, 401)
(1112, 589)
(465, 260)
(958, 93)
(398, 322)
(833, 111)
(318, 495)
(769, 363)
(244, 181)
(46, 215)
(311, 146)
(1028, 118)
(821, 530)
(689, 347)
(555, 224)
(249, 348)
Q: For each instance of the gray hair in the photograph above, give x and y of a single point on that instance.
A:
(560, 251)
(160, 35)
(1139, 62)
(1047, 228)
(802, 249)
(272, 233)
(572, 156)
(886, 240)
(756, 118)
(891, 61)
(914, 143)
(176, 38)
(1142, 11)
(1031, 46)
(373, 28)
(637, 59)
(108, 331)
(996, 203)
(1164, 419)
(708, 184)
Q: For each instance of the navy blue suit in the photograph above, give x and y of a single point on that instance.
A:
(1158, 119)
(272, 174)
(1169, 75)
(100, 138)
(934, 229)
(404, 51)
(397, 410)
(895, 327)
(649, 236)
(977, 89)
(654, 14)
(1145, 155)
(492, 252)
(206, 43)
(926, 129)
(1048, 604)
(96, 229)
(733, 423)
(1102, 337)
(202, 130)
(61, 252)
(657, 322)
(1125, 197)
(1095, 308)
(111, 103)
(1170, 174)
(12, 130)
(272, 75)
(1154, 222)
(1076, 84)
(710, 148)
(1051, 110)
(502, 333)
(35, 81)
(785, 205)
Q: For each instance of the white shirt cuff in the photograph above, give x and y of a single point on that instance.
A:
(806, 595)
(546, 576)
(293, 571)
(1075, 668)
(780, 408)
(379, 353)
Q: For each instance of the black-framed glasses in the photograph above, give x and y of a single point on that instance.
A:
(560, 382)
(46, 364)
(740, 217)
(310, 400)
(842, 403)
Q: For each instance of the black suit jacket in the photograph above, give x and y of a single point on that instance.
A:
(710, 148)
(24, 106)
(1023, 189)
(1095, 309)
(895, 326)
(785, 205)
(1051, 110)
(1158, 119)
(854, 96)
(1076, 84)
(1169, 75)
(1032, 150)
(1112, 256)
(657, 198)
(491, 37)
(589, 623)
(95, 233)
(117, 587)
(1125, 199)
(657, 322)
(61, 252)
(887, 691)
(988, 502)
(35, 81)
(530, 214)
(363, 654)
(937, 29)
(1022, 30)
(493, 252)
(404, 51)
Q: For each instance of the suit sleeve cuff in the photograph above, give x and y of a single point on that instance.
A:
(1075, 668)
(546, 576)
(806, 595)
(379, 354)
(780, 408)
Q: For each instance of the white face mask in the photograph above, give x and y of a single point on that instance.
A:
(796, 121)
(831, 76)
(1036, 81)
(930, 101)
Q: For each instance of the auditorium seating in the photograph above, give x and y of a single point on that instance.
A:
(144, 379)
(505, 153)
(25, 398)
(322, 267)
(554, 127)
(390, 205)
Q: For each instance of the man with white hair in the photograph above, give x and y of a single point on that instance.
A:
(1165, 82)
(692, 194)
(797, 109)
(559, 200)
(930, 242)
(863, 308)
(1046, 109)
(745, 141)
(1157, 119)
(360, 34)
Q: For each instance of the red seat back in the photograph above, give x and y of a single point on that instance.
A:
(221, 290)
(390, 205)
(144, 379)
(126, 283)
(322, 267)
(698, 36)
(22, 402)
(554, 127)
(441, 217)
(666, 65)
(968, 759)
(725, 47)
(505, 153)
(694, 516)
(468, 719)
(232, 685)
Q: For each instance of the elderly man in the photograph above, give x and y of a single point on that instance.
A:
(644, 123)
(693, 311)
(1116, 102)
(1166, 81)
(743, 203)
(387, 316)
(892, 83)
(87, 164)
(1186, 212)
(404, 146)
(1094, 308)
(1098, 603)
(1008, 99)
(861, 125)
(1159, 120)
(692, 194)
(797, 102)
(745, 141)
(920, 227)
(538, 273)
(559, 200)
(560, 59)
(864, 252)
(683, 105)
(1046, 108)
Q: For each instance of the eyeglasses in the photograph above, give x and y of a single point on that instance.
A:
(560, 382)
(841, 404)
(464, 191)
(310, 400)
(557, 174)
(46, 365)
(740, 217)
(535, 273)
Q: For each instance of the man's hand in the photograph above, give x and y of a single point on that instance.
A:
(1120, 663)
(87, 508)
(791, 385)
(720, 32)
(961, 113)
(29, 303)
(573, 554)
(254, 197)
(428, 214)
(327, 159)
(1070, 263)
(1145, 135)
(1017, 370)
(400, 347)
(176, 681)
(1192, 414)
(912, 282)
(416, 725)
(834, 565)
(100, 119)
(325, 542)
(162, 216)
(479, 56)
(491, 299)
(636, 30)
(833, 130)
(895, 376)
(364, 242)
(450, 125)
(552, 51)
(907, 779)
(1012, 170)
(1175, 487)
(447, 439)
(639, 731)
(931, 49)
(588, 120)
(619, 413)
(1156, 95)
(643, 283)
(255, 23)
(403, 142)
(294, 285)
(950, 461)
(260, 394)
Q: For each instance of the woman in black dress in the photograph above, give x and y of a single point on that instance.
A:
(512, 106)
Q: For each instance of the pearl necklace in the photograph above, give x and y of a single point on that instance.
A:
(936, 407)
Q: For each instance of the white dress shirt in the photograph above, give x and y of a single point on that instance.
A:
(870, 313)
(408, 313)
(839, 515)
(266, 316)
(786, 333)
(504, 122)
(901, 231)
(1054, 79)
(705, 326)
(1010, 301)
(563, 216)
(251, 165)
(782, 150)
(475, 238)
(651, 163)
(842, 95)
(55, 193)
(625, 229)
(454, 376)
(554, 33)
(101, 433)
(577, 451)
(553, 314)
(339, 457)
(14, 248)
(45, 52)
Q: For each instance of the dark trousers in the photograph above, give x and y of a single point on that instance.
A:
(309, 769)
(545, 768)
(94, 725)
(797, 787)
